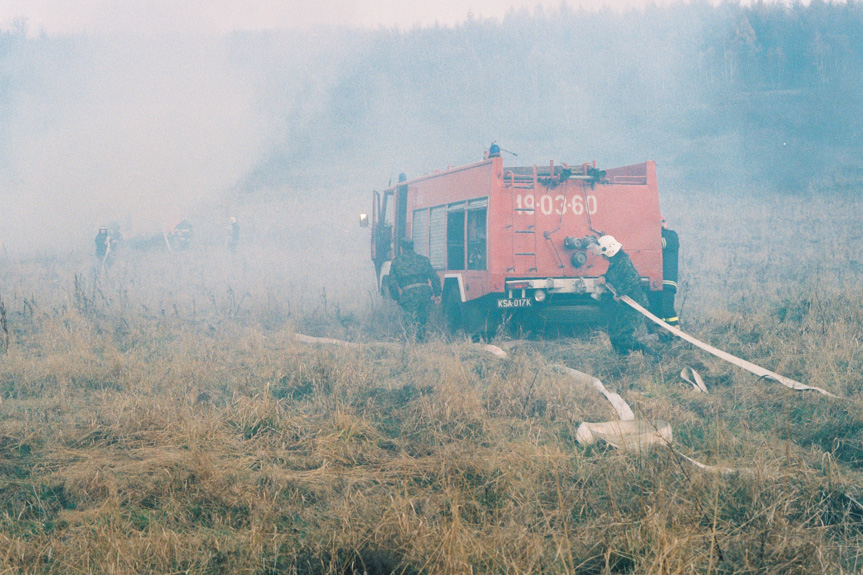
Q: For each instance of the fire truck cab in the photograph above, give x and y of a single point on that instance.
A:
(515, 240)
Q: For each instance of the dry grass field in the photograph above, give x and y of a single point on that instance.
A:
(161, 417)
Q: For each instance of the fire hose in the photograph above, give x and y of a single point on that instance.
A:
(761, 372)
(627, 433)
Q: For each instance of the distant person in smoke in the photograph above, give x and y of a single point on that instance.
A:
(670, 249)
(623, 278)
(103, 244)
(413, 282)
(233, 234)
(181, 237)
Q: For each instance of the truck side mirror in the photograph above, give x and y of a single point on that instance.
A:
(364, 220)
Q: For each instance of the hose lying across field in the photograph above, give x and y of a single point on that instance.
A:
(748, 366)
(628, 433)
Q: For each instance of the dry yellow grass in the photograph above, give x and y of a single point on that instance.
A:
(163, 419)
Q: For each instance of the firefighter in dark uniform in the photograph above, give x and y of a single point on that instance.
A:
(624, 279)
(182, 236)
(670, 249)
(102, 242)
(413, 282)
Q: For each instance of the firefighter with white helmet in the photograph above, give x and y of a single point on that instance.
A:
(623, 278)
(608, 246)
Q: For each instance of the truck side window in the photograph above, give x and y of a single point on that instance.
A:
(437, 237)
(476, 239)
(420, 231)
(455, 240)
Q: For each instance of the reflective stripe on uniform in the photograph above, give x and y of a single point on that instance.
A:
(414, 286)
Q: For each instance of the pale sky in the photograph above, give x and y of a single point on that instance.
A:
(59, 17)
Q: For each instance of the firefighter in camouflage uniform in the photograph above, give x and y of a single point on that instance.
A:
(624, 279)
(413, 282)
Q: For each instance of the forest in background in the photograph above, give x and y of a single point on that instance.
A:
(716, 94)
(761, 98)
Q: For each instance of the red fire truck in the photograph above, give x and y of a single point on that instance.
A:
(516, 239)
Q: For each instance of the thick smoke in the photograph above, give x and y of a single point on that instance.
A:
(139, 130)
(147, 129)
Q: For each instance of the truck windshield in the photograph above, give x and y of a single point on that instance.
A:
(384, 231)
(388, 209)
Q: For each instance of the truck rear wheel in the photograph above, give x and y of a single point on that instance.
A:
(453, 311)
(385, 287)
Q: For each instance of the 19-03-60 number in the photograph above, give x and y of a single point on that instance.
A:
(559, 204)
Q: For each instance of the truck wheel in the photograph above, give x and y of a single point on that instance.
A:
(480, 319)
(385, 287)
(453, 311)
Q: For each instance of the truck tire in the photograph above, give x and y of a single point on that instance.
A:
(385, 287)
(453, 311)
(482, 318)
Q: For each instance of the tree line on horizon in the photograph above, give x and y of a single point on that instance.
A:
(720, 95)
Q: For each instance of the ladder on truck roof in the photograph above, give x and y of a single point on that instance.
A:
(524, 244)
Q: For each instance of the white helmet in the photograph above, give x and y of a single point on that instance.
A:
(608, 246)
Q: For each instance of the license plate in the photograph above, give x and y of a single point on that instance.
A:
(512, 303)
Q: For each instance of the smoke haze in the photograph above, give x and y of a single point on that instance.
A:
(146, 129)
(102, 129)
(58, 17)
